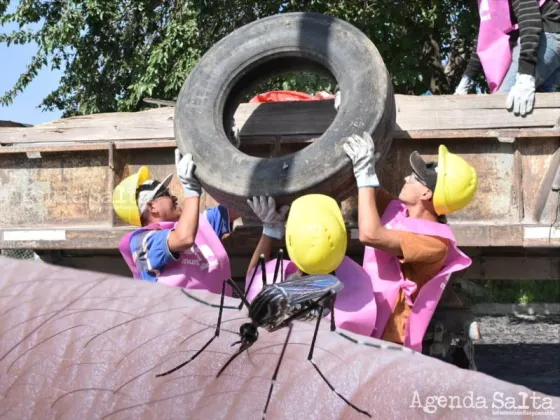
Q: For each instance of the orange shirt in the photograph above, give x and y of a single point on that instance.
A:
(423, 256)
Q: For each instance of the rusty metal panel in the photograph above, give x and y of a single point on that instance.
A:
(68, 189)
(67, 194)
(493, 161)
(541, 158)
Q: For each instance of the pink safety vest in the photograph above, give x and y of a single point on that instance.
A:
(354, 308)
(493, 46)
(204, 266)
(387, 277)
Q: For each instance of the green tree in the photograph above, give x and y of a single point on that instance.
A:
(115, 53)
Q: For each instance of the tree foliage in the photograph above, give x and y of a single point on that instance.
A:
(115, 53)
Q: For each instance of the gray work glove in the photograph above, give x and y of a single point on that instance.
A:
(185, 173)
(361, 151)
(464, 86)
(521, 97)
(273, 220)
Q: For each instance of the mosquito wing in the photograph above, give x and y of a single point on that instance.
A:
(310, 287)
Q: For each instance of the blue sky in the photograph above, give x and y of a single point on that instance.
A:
(13, 61)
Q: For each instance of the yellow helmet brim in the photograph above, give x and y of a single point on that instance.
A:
(124, 196)
(456, 185)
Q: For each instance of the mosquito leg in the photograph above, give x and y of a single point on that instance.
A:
(300, 313)
(282, 266)
(277, 369)
(263, 270)
(279, 261)
(239, 292)
(216, 334)
(261, 263)
(333, 324)
(295, 316)
(310, 358)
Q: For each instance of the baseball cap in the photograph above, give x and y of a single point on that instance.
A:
(149, 190)
(425, 171)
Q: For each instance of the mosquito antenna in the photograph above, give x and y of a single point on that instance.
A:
(260, 262)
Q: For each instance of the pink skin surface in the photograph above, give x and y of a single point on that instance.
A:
(83, 345)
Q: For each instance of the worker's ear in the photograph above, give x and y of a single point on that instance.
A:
(427, 195)
(151, 209)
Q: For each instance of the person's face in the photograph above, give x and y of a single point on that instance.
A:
(414, 190)
(165, 206)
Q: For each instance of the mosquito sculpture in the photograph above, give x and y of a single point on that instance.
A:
(275, 307)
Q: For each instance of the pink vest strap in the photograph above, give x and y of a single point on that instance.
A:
(493, 46)
(204, 266)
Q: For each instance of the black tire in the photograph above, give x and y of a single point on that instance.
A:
(278, 44)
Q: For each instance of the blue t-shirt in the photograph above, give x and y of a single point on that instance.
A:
(150, 250)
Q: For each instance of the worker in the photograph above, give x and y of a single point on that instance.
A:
(518, 48)
(316, 242)
(175, 245)
(410, 251)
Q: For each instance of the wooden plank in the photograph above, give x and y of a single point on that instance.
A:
(244, 239)
(457, 119)
(514, 268)
(151, 124)
(415, 115)
(448, 135)
(479, 133)
(86, 146)
(469, 102)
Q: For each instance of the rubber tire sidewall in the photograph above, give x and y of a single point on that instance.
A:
(231, 176)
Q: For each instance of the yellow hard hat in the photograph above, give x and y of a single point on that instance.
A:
(456, 185)
(124, 196)
(316, 236)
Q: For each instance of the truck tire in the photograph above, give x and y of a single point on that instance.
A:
(274, 45)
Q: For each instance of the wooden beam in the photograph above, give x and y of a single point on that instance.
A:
(243, 240)
(417, 117)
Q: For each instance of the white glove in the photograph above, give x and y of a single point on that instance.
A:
(337, 100)
(464, 86)
(273, 221)
(361, 151)
(522, 95)
(185, 173)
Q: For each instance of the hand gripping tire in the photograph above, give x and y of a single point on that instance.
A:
(270, 46)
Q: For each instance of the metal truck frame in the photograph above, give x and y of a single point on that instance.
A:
(57, 178)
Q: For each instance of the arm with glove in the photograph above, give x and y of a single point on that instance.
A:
(361, 151)
(184, 234)
(474, 67)
(521, 97)
(273, 226)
